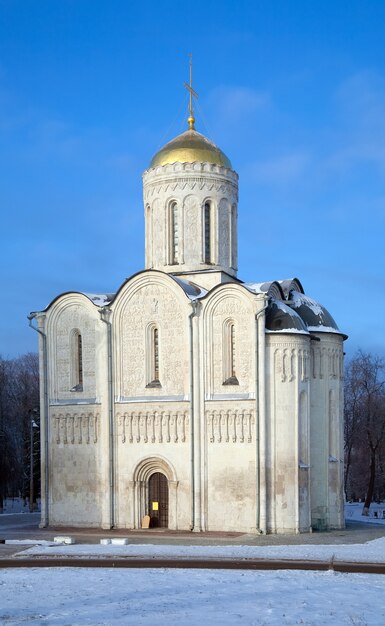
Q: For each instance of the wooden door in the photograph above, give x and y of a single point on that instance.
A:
(158, 500)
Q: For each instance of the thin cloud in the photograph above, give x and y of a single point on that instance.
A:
(361, 118)
(235, 103)
(284, 169)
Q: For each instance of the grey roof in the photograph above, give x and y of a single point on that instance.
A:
(281, 318)
(315, 316)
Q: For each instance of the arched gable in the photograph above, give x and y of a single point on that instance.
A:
(229, 339)
(150, 299)
(68, 315)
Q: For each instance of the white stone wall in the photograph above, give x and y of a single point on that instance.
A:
(151, 423)
(77, 422)
(326, 432)
(75, 481)
(288, 371)
(157, 433)
(229, 465)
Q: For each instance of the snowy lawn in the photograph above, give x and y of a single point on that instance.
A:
(115, 597)
(63, 597)
(70, 596)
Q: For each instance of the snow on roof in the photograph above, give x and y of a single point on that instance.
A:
(100, 299)
(257, 287)
(192, 290)
(298, 299)
(280, 318)
(278, 289)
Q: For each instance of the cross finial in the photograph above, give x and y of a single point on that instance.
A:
(191, 118)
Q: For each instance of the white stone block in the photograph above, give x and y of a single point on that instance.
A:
(105, 542)
(64, 539)
(119, 541)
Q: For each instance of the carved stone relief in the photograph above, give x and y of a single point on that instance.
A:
(291, 363)
(152, 304)
(330, 358)
(79, 428)
(153, 427)
(224, 233)
(156, 188)
(232, 426)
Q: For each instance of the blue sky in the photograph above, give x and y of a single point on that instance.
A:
(292, 91)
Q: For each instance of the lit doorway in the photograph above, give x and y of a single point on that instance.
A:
(158, 500)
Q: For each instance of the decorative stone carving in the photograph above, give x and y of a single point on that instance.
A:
(75, 428)
(292, 362)
(151, 304)
(232, 426)
(153, 427)
(332, 358)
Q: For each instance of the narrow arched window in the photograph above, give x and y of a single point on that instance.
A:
(207, 232)
(152, 357)
(76, 361)
(229, 354)
(174, 223)
(232, 351)
(155, 340)
(233, 245)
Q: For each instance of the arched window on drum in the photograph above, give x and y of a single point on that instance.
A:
(207, 233)
(174, 233)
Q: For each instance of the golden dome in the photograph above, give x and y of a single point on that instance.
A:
(189, 147)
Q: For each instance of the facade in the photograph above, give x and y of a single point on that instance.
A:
(188, 395)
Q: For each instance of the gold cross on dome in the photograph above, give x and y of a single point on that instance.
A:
(191, 118)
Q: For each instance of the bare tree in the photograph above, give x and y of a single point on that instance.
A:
(364, 425)
(19, 397)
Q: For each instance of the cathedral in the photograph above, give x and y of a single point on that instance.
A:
(190, 396)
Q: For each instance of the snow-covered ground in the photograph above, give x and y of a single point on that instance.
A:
(63, 597)
(353, 512)
(115, 597)
(18, 505)
(110, 597)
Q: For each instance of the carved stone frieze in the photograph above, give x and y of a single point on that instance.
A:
(327, 361)
(231, 426)
(153, 427)
(292, 363)
(157, 189)
(75, 428)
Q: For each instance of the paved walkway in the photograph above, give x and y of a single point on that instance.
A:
(26, 526)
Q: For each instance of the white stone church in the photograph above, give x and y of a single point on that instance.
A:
(188, 395)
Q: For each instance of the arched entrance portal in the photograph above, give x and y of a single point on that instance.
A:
(158, 500)
(154, 480)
